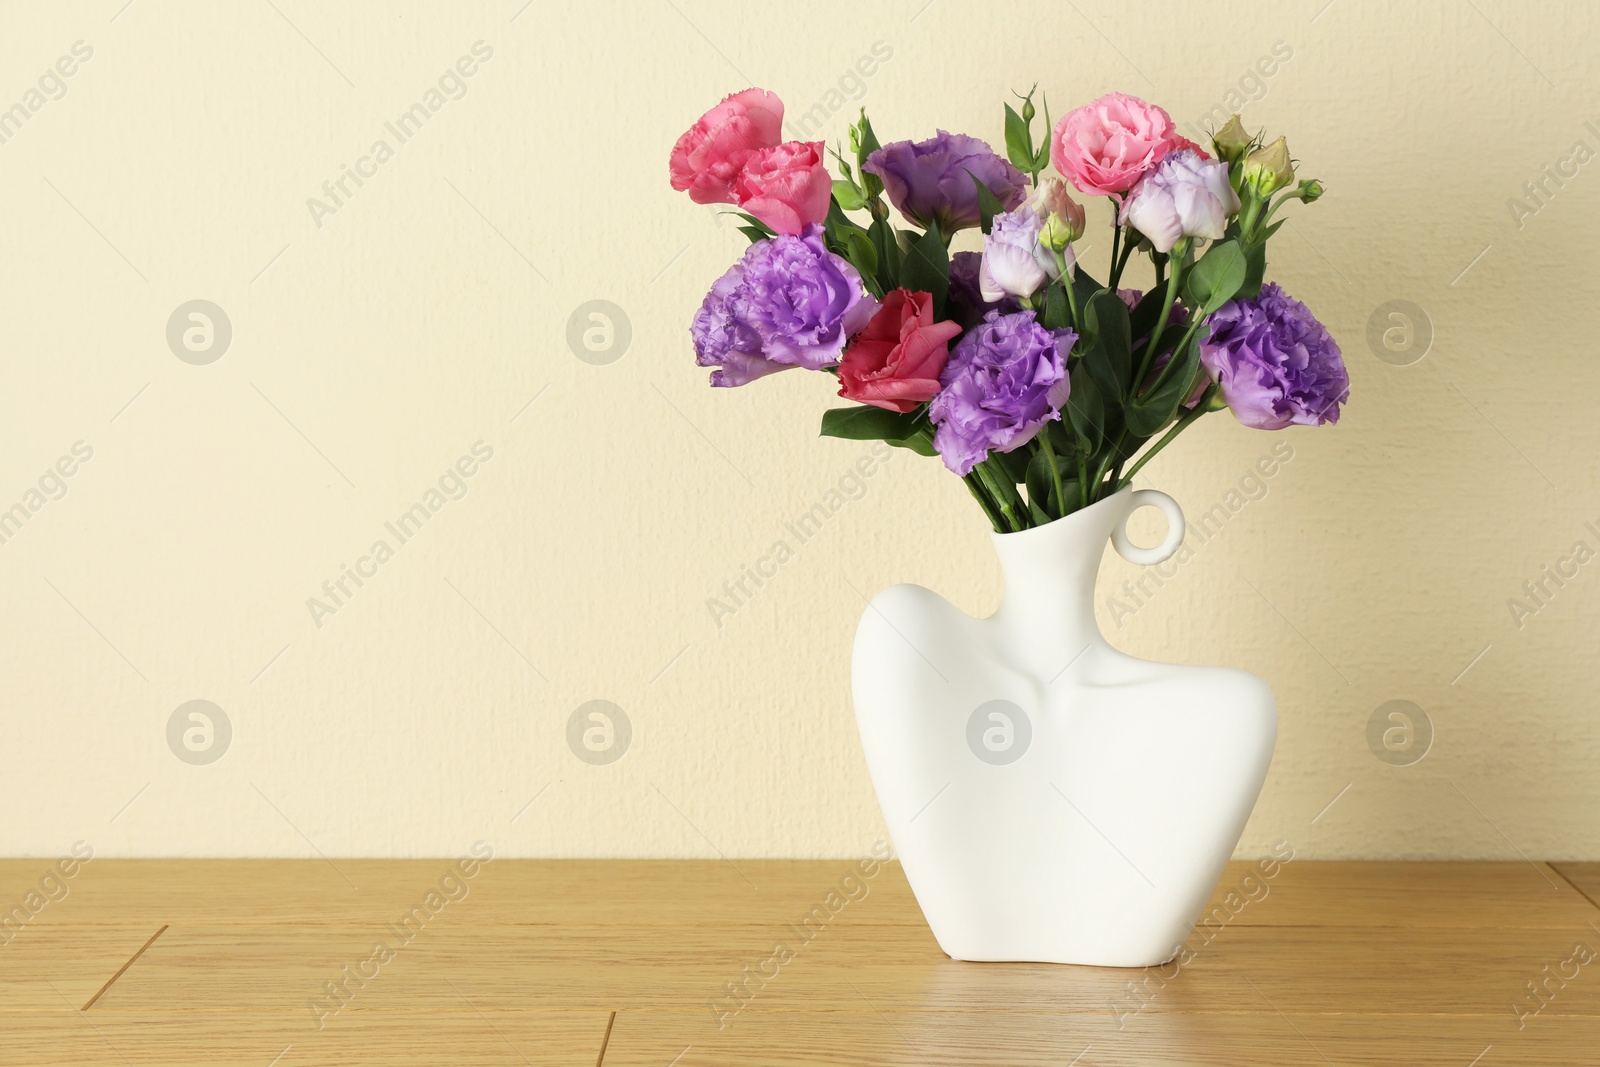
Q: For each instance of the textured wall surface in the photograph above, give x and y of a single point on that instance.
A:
(382, 335)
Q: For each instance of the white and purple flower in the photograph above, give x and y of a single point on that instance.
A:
(1015, 262)
(1187, 195)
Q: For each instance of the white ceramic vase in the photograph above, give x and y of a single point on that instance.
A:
(1052, 799)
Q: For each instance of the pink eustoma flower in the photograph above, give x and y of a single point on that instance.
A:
(1106, 146)
(708, 157)
(786, 186)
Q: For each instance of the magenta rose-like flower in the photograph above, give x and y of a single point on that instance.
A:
(710, 154)
(788, 303)
(931, 181)
(1187, 195)
(786, 186)
(1006, 378)
(1274, 362)
(1106, 146)
(895, 362)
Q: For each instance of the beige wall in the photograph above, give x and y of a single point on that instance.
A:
(370, 352)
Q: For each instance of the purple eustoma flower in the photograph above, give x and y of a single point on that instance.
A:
(1006, 378)
(725, 341)
(931, 181)
(1275, 363)
(788, 303)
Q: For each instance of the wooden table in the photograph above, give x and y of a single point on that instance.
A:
(679, 963)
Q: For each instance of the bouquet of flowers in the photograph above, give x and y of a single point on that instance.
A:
(1037, 384)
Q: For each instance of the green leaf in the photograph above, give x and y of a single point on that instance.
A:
(1017, 141)
(847, 195)
(863, 255)
(1216, 276)
(920, 443)
(989, 205)
(1255, 262)
(1148, 414)
(866, 423)
(846, 237)
(1086, 410)
(866, 143)
(754, 233)
(756, 223)
(866, 140)
(888, 249)
(1057, 314)
(1014, 463)
(1041, 158)
(1062, 438)
(1041, 480)
(1109, 355)
(1143, 317)
(1084, 286)
(926, 268)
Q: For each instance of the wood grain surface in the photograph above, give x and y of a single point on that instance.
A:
(676, 964)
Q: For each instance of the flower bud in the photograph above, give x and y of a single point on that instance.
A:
(863, 142)
(1266, 170)
(1309, 190)
(1063, 216)
(1232, 142)
(1057, 234)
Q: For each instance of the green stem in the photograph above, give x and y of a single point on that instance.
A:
(1250, 219)
(1178, 427)
(1122, 264)
(1199, 320)
(1100, 472)
(1055, 471)
(1161, 322)
(1005, 495)
(1116, 231)
(975, 486)
(1292, 193)
(1066, 284)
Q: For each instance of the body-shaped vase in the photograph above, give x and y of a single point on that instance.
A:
(1052, 799)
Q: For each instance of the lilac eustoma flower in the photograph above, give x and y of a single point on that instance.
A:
(1275, 364)
(1006, 378)
(788, 303)
(931, 181)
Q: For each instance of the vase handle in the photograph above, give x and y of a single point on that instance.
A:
(1145, 557)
